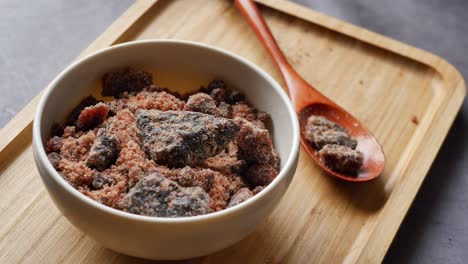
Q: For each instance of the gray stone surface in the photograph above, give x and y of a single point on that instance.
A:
(39, 38)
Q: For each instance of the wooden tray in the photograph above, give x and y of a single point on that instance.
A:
(407, 97)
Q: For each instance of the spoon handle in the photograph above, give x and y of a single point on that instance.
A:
(250, 11)
(300, 92)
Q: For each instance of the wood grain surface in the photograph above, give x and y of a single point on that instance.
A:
(383, 82)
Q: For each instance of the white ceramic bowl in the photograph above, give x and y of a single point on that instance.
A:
(155, 237)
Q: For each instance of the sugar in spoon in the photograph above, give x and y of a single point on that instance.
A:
(309, 101)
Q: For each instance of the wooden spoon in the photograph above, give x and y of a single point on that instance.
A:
(307, 101)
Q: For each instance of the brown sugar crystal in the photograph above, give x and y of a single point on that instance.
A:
(73, 116)
(225, 162)
(183, 138)
(241, 196)
(321, 136)
(159, 100)
(155, 195)
(92, 116)
(255, 145)
(129, 80)
(336, 148)
(341, 158)
(202, 103)
(104, 151)
(260, 174)
(320, 121)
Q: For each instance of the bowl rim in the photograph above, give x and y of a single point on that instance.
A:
(38, 145)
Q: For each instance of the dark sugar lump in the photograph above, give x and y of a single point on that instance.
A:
(182, 138)
(104, 151)
(341, 158)
(154, 195)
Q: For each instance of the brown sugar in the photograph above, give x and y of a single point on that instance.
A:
(202, 178)
(129, 80)
(321, 136)
(260, 174)
(320, 121)
(255, 144)
(227, 161)
(101, 180)
(336, 148)
(341, 158)
(240, 196)
(202, 103)
(243, 110)
(155, 195)
(147, 99)
(179, 138)
(104, 151)
(75, 113)
(92, 116)
(152, 152)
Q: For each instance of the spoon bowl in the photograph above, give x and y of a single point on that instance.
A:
(373, 158)
(309, 101)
